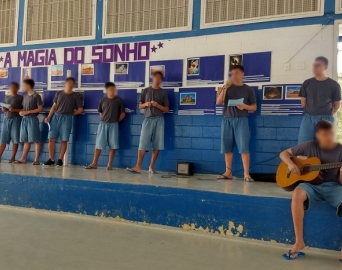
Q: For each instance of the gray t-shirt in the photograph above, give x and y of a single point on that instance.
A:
(31, 103)
(312, 149)
(111, 108)
(157, 95)
(320, 96)
(16, 103)
(67, 103)
(237, 92)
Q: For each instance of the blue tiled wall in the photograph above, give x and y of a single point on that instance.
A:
(187, 138)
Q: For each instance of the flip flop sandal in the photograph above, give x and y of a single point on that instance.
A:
(223, 177)
(152, 172)
(109, 168)
(11, 161)
(35, 163)
(19, 162)
(132, 170)
(248, 179)
(288, 257)
(90, 168)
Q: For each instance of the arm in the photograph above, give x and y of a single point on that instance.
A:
(52, 111)
(3, 109)
(285, 156)
(78, 111)
(38, 110)
(337, 105)
(303, 102)
(144, 105)
(164, 109)
(222, 94)
(122, 116)
(250, 108)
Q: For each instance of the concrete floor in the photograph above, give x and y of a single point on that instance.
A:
(36, 240)
(198, 182)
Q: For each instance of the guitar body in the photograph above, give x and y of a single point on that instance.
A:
(289, 181)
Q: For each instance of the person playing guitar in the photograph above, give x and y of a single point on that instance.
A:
(307, 195)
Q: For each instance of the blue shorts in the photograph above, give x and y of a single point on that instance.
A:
(331, 192)
(61, 125)
(29, 129)
(235, 130)
(308, 126)
(152, 131)
(107, 135)
(10, 130)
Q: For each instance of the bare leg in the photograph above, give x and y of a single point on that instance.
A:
(64, 146)
(155, 154)
(110, 158)
(26, 149)
(52, 146)
(15, 147)
(141, 154)
(298, 198)
(38, 147)
(228, 158)
(2, 149)
(246, 161)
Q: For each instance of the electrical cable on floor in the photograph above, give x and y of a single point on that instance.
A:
(211, 172)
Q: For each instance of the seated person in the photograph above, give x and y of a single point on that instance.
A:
(307, 195)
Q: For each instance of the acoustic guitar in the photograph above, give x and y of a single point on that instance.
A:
(310, 172)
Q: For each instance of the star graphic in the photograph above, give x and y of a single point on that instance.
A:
(160, 45)
(1, 59)
(154, 49)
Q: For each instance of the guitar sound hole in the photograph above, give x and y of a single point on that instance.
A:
(306, 169)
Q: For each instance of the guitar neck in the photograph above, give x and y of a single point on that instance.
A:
(327, 166)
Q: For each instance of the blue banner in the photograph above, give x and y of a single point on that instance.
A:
(281, 99)
(38, 74)
(172, 71)
(94, 75)
(8, 75)
(129, 97)
(60, 72)
(257, 67)
(130, 74)
(205, 70)
(197, 101)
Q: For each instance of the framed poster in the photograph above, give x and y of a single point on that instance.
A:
(8, 75)
(129, 97)
(197, 101)
(60, 72)
(129, 74)
(38, 74)
(205, 70)
(94, 75)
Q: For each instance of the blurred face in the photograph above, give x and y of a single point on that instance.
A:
(14, 89)
(326, 138)
(157, 80)
(111, 91)
(69, 85)
(26, 87)
(319, 68)
(237, 76)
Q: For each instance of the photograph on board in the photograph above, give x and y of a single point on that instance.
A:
(193, 66)
(57, 70)
(235, 60)
(292, 92)
(3, 73)
(27, 73)
(121, 68)
(154, 69)
(187, 98)
(87, 69)
(273, 93)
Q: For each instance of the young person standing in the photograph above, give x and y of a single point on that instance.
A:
(29, 129)
(321, 99)
(10, 130)
(66, 104)
(112, 111)
(155, 102)
(235, 127)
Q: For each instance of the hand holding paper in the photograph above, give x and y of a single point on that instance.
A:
(5, 105)
(235, 102)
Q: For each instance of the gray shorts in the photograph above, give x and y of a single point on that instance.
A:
(152, 133)
(330, 192)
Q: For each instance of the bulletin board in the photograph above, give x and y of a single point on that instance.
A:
(38, 74)
(172, 71)
(8, 75)
(48, 98)
(205, 70)
(171, 95)
(129, 74)
(94, 75)
(197, 101)
(60, 72)
(280, 99)
(91, 100)
(129, 97)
